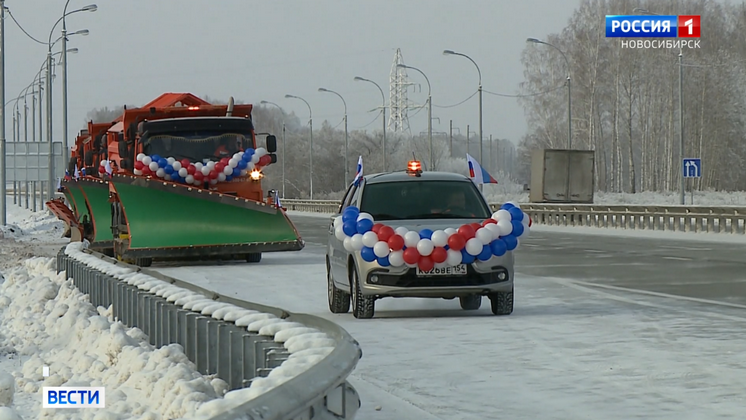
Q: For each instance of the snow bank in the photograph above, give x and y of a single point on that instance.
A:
(647, 198)
(23, 222)
(307, 345)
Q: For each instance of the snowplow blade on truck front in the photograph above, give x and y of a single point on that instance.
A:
(88, 207)
(161, 220)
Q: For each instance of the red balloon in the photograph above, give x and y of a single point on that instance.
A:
(476, 227)
(488, 221)
(456, 242)
(385, 233)
(220, 167)
(146, 171)
(191, 169)
(426, 263)
(377, 227)
(396, 242)
(139, 165)
(198, 176)
(439, 255)
(101, 169)
(213, 174)
(265, 160)
(411, 256)
(467, 231)
(185, 163)
(529, 221)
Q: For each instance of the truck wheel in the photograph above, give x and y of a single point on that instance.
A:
(339, 300)
(470, 303)
(143, 262)
(502, 303)
(363, 307)
(254, 257)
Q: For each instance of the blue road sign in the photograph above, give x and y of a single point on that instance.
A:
(692, 168)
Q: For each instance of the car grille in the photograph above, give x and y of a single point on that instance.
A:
(410, 279)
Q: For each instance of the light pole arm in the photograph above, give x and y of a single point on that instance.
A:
(479, 72)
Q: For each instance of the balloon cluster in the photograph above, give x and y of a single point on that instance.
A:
(429, 249)
(197, 173)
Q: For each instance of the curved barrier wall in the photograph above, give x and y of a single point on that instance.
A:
(731, 220)
(242, 342)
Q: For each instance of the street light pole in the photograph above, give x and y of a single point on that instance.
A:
(283, 143)
(310, 147)
(429, 112)
(347, 166)
(383, 107)
(481, 134)
(3, 204)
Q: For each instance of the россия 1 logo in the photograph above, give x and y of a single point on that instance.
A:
(636, 26)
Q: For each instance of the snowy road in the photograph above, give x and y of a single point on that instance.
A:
(571, 349)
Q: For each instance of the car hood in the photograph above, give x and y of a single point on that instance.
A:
(432, 224)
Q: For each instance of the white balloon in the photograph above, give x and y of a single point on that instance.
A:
(233, 162)
(103, 163)
(213, 181)
(439, 238)
(221, 177)
(381, 248)
(347, 243)
(370, 239)
(177, 166)
(525, 219)
(261, 151)
(171, 161)
(440, 265)
(357, 242)
(338, 222)
(198, 165)
(210, 164)
(205, 170)
(506, 228)
(484, 235)
(140, 156)
(146, 160)
(411, 238)
(364, 215)
(138, 172)
(167, 177)
(250, 166)
(474, 246)
(183, 172)
(425, 247)
(396, 258)
(153, 166)
(502, 214)
(453, 258)
(244, 172)
(189, 179)
(160, 173)
(451, 231)
(228, 170)
(254, 158)
(339, 233)
(494, 229)
(401, 231)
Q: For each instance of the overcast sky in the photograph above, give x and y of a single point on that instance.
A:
(262, 50)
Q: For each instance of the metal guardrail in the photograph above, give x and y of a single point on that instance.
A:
(731, 220)
(219, 346)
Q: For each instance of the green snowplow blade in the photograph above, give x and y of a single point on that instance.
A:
(76, 199)
(69, 198)
(168, 220)
(97, 196)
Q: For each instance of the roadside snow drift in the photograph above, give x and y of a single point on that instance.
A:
(179, 390)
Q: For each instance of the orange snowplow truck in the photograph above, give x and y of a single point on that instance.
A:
(88, 149)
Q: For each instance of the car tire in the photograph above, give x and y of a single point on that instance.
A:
(502, 303)
(363, 307)
(471, 302)
(254, 257)
(339, 300)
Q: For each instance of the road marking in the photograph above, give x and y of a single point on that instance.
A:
(595, 251)
(677, 258)
(684, 248)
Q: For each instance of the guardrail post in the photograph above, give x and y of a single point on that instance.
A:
(212, 346)
(190, 331)
(236, 355)
(201, 344)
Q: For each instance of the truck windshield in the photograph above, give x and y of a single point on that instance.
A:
(424, 200)
(196, 146)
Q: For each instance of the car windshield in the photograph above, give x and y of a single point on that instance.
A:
(196, 146)
(423, 199)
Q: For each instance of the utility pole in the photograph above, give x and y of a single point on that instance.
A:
(3, 172)
(681, 125)
(467, 139)
(450, 136)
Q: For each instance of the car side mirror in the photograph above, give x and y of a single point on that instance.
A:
(271, 144)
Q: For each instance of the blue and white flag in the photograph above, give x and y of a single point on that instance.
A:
(359, 173)
(76, 175)
(277, 199)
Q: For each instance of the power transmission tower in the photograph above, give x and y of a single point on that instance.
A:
(398, 84)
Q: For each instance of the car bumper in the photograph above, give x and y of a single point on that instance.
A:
(483, 277)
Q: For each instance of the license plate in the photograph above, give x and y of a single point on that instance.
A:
(457, 270)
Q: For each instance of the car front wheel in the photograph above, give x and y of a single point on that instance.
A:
(502, 303)
(339, 300)
(363, 307)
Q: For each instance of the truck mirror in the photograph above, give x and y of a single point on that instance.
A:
(271, 144)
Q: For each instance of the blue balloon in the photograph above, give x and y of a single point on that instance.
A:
(155, 158)
(353, 208)
(236, 172)
(169, 169)
(364, 225)
(466, 258)
(511, 242)
(229, 177)
(248, 154)
(162, 162)
(498, 247)
(349, 217)
(384, 261)
(446, 247)
(426, 234)
(242, 164)
(349, 227)
(516, 214)
(486, 253)
(368, 254)
(517, 228)
(506, 206)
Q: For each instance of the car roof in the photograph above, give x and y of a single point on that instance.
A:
(403, 176)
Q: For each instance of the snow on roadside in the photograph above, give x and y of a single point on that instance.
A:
(647, 198)
(24, 224)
